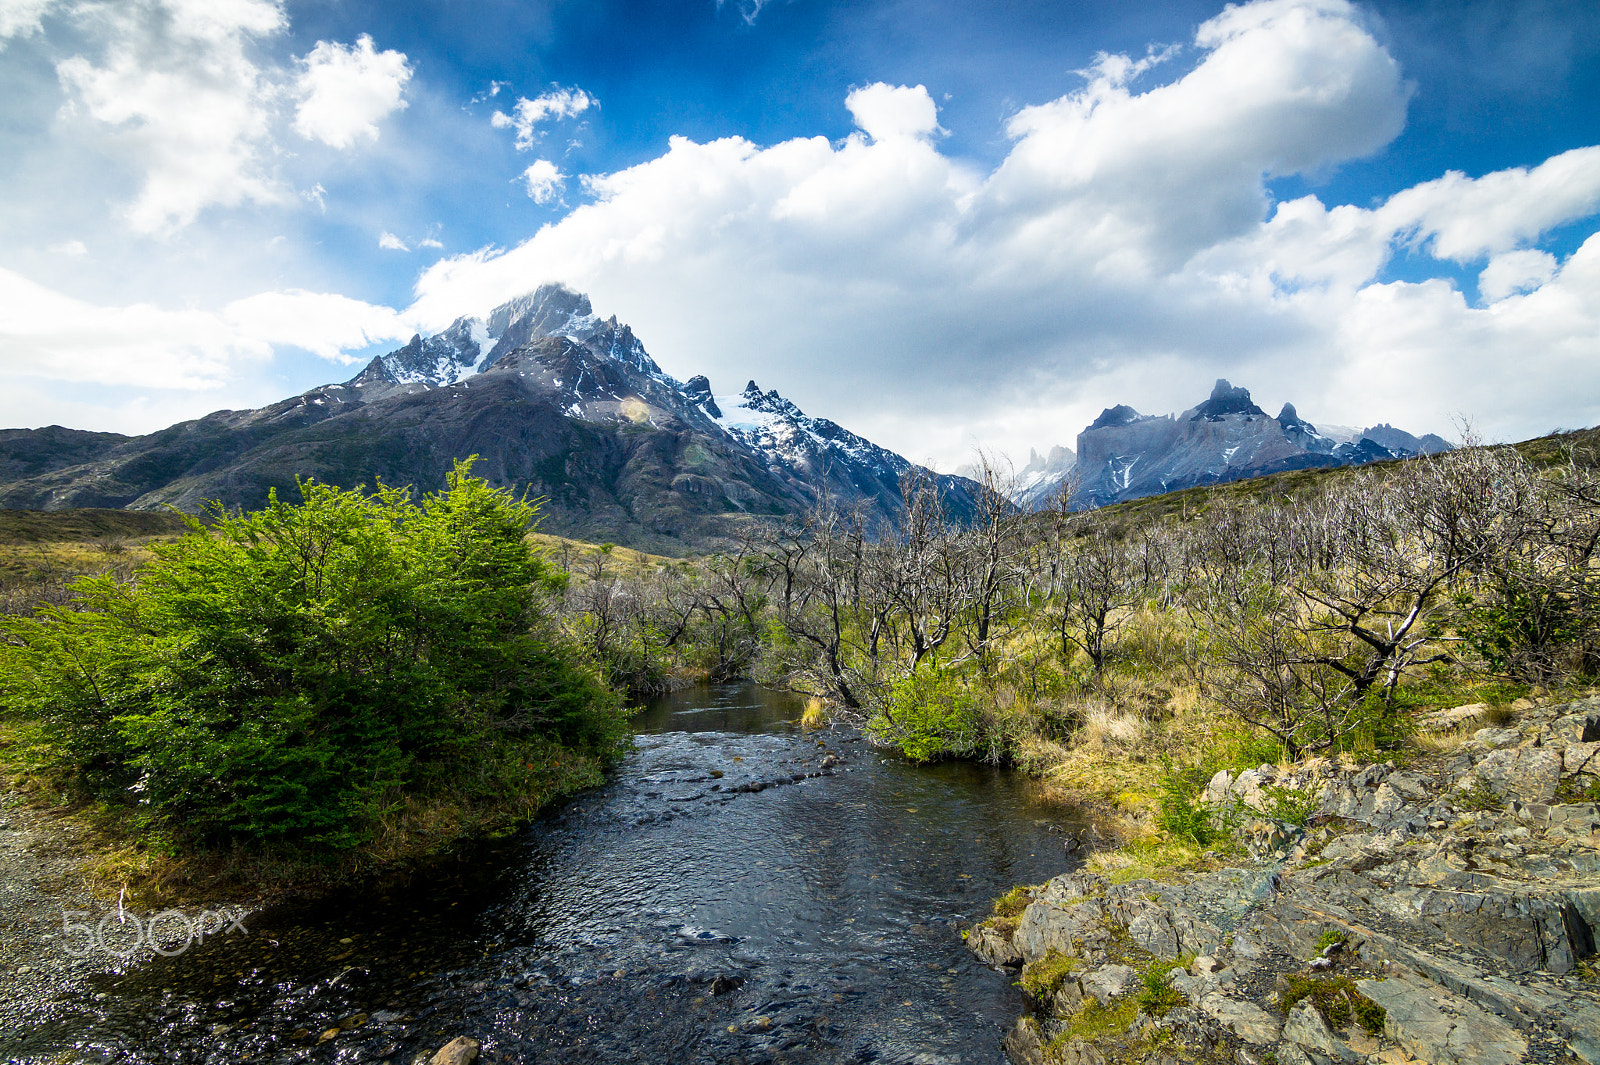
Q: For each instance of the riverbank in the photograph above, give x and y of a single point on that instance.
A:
(1439, 908)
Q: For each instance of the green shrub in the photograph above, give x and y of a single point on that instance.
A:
(1179, 812)
(1290, 805)
(289, 673)
(1337, 999)
(930, 714)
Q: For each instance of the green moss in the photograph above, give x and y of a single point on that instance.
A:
(1337, 999)
(1044, 976)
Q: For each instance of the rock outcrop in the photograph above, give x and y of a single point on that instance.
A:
(1443, 912)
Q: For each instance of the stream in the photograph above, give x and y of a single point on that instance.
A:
(723, 898)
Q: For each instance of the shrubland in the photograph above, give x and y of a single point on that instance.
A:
(357, 677)
(1128, 653)
(366, 674)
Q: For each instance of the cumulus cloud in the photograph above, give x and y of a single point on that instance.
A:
(1127, 249)
(20, 18)
(544, 181)
(528, 114)
(345, 91)
(887, 111)
(180, 98)
(174, 91)
(1516, 271)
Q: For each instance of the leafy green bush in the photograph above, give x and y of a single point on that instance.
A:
(930, 714)
(286, 674)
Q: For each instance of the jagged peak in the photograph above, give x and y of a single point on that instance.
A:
(1226, 399)
(1121, 414)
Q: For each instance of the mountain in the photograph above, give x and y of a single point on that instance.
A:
(555, 400)
(1127, 455)
(1032, 486)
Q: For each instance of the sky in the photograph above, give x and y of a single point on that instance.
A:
(945, 224)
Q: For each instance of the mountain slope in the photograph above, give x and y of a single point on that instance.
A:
(555, 401)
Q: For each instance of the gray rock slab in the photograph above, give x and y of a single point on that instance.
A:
(1307, 1028)
(1441, 1028)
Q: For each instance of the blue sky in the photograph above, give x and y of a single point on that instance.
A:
(945, 225)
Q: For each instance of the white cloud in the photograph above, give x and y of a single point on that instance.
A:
(389, 242)
(544, 181)
(1516, 271)
(1126, 250)
(325, 324)
(749, 10)
(45, 334)
(526, 116)
(179, 98)
(21, 18)
(74, 248)
(345, 91)
(887, 111)
(1465, 219)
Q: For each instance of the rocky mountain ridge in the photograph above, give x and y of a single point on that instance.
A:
(556, 400)
(1124, 454)
(1444, 912)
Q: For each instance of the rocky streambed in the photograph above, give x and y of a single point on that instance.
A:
(1444, 912)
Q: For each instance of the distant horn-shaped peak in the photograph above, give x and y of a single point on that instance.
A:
(1226, 399)
(1121, 414)
(1289, 416)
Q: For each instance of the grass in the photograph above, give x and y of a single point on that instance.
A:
(1481, 796)
(1159, 996)
(1043, 977)
(1013, 902)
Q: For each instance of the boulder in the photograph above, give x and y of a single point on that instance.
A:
(1109, 982)
(1024, 1044)
(992, 947)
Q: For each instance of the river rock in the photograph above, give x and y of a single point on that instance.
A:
(1466, 925)
(459, 1051)
(993, 947)
(1024, 1044)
